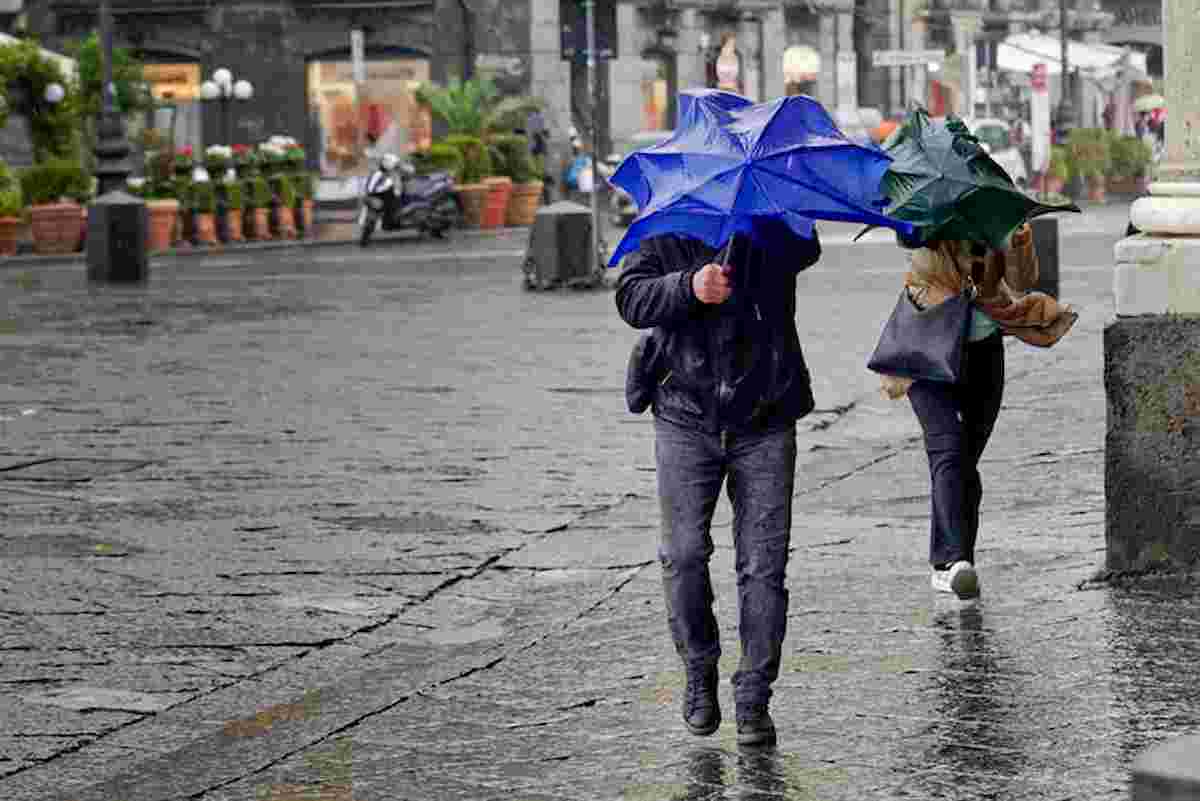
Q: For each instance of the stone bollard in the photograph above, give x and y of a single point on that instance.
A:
(560, 242)
(1169, 771)
(1152, 348)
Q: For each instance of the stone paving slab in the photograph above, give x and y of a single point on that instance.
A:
(396, 534)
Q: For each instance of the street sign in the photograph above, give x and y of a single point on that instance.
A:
(573, 21)
(907, 58)
(358, 55)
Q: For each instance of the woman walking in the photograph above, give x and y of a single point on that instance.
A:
(957, 419)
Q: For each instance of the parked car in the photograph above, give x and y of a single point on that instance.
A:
(996, 137)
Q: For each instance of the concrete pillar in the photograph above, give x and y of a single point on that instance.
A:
(918, 77)
(627, 72)
(750, 45)
(966, 31)
(1152, 348)
(689, 58)
(774, 42)
(827, 79)
(549, 74)
(847, 58)
(895, 42)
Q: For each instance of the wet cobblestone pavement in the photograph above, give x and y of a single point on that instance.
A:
(347, 525)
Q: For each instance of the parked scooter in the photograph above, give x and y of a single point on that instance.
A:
(395, 198)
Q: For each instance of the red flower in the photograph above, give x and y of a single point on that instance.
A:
(186, 150)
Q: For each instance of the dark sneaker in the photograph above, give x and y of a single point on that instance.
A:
(754, 725)
(701, 711)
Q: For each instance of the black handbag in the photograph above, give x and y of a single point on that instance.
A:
(640, 374)
(924, 344)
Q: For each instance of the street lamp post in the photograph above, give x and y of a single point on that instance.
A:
(117, 221)
(224, 89)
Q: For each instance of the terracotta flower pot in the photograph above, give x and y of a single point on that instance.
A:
(285, 222)
(262, 223)
(308, 212)
(1096, 190)
(163, 214)
(524, 203)
(496, 207)
(10, 233)
(206, 228)
(57, 227)
(474, 197)
(233, 224)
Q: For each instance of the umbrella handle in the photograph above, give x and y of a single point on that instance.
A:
(725, 254)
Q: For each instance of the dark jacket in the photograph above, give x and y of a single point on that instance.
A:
(735, 366)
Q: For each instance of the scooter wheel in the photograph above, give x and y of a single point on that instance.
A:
(366, 227)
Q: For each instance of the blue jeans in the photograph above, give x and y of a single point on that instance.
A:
(957, 420)
(759, 472)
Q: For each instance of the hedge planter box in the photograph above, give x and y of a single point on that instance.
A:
(524, 203)
(10, 234)
(161, 233)
(496, 208)
(57, 227)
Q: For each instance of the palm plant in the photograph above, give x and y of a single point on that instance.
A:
(476, 107)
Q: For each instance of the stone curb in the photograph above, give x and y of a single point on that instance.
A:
(79, 259)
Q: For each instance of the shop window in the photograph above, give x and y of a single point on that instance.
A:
(177, 89)
(359, 122)
(656, 95)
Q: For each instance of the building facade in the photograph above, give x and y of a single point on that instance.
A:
(298, 56)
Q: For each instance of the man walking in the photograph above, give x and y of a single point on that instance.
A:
(725, 376)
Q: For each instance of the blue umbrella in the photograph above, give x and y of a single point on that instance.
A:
(732, 164)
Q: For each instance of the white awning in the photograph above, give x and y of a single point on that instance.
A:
(65, 63)
(1019, 52)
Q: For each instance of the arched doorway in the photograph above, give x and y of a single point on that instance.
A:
(174, 78)
(351, 122)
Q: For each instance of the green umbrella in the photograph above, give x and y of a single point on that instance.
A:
(943, 181)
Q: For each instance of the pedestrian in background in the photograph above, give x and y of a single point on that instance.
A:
(725, 377)
(957, 419)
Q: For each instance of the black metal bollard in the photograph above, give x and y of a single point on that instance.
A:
(1045, 244)
(559, 245)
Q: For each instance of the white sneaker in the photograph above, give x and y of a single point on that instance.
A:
(960, 578)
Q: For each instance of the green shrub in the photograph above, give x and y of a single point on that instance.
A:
(233, 195)
(306, 185)
(1090, 153)
(285, 190)
(204, 198)
(440, 157)
(511, 154)
(50, 181)
(1060, 162)
(1130, 156)
(477, 163)
(258, 193)
(11, 203)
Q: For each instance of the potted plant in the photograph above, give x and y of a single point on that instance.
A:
(1091, 157)
(184, 161)
(217, 159)
(256, 218)
(518, 165)
(12, 207)
(56, 191)
(243, 160)
(204, 204)
(284, 206)
(306, 184)
(162, 207)
(476, 165)
(1058, 172)
(1130, 159)
(232, 190)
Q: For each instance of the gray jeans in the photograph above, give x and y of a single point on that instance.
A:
(759, 473)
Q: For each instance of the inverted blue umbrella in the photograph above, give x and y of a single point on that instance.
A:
(731, 165)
